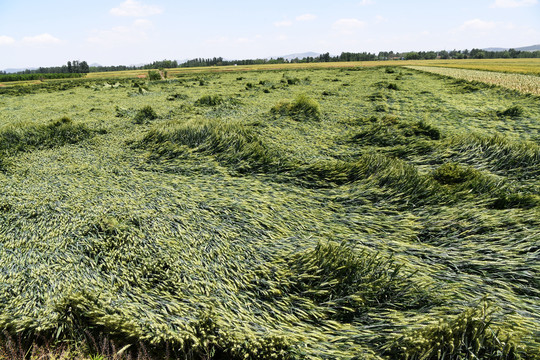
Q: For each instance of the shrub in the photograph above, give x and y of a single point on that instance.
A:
(377, 96)
(384, 171)
(470, 335)
(210, 100)
(282, 107)
(234, 144)
(293, 81)
(516, 200)
(145, 114)
(469, 88)
(154, 75)
(453, 173)
(55, 133)
(426, 129)
(120, 111)
(177, 96)
(350, 282)
(303, 107)
(500, 152)
(512, 111)
(390, 131)
(306, 106)
(381, 108)
(142, 89)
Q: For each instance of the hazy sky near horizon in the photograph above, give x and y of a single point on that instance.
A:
(122, 32)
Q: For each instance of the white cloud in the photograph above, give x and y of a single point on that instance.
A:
(41, 39)
(380, 19)
(229, 42)
(142, 23)
(133, 34)
(243, 40)
(477, 24)
(306, 17)
(348, 26)
(220, 40)
(283, 23)
(135, 9)
(366, 2)
(6, 40)
(513, 3)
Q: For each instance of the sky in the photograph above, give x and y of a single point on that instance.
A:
(37, 33)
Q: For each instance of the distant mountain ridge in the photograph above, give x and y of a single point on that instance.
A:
(495, 49)
(523, 48)
(529, 48)
(11, 71)
(298, 56)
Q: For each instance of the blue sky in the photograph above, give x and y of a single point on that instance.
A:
(47, 33)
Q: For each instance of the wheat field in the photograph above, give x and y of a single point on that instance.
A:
(293, 213)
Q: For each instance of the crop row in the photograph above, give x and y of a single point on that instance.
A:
(523, 83)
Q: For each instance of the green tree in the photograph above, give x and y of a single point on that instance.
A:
(83, 67)
(477, 54)
(413, 55)
(444, 54)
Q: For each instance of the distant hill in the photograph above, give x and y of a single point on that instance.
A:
(495, 49)
(11, 71)
(298, 56)
(523, 48)
(529, 48)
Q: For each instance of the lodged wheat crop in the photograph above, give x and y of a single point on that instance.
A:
(362, 213)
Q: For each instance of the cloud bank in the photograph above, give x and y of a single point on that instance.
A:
(134, 8)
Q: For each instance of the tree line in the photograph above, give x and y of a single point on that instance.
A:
(72, 67)
(344, 56)
(423, 55)
(82, 67)
(38, 76)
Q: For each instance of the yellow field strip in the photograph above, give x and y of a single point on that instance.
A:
(240, 68)
(523, 83)
(521, 66)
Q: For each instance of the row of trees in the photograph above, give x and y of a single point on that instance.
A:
(35, 76)
(473, 54)
(72, 67)
(424, 55)
(163, 64)
(365, 56)
(78, 67)
(219, 61)
(82, 67)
